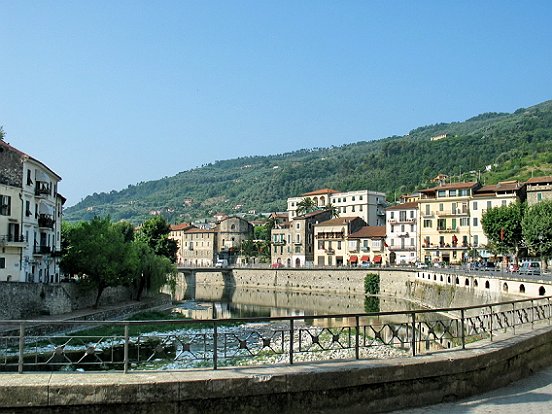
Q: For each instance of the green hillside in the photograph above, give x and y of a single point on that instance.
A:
(516, 145)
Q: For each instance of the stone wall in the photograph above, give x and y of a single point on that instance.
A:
(27, 300)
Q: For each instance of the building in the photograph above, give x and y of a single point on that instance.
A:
(30, 218)
(538, 189)
(293, 240)
(367, 246)
(332, 237)
(368, 205)
(444, 223)
(450, 219)
(402, 233)
(231, 232)
(483, 199)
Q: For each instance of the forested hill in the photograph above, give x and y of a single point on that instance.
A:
(517, 145)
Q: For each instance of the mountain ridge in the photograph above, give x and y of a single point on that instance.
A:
(515, 145)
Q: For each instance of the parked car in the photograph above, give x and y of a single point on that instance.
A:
(530, 268)
(487, 266)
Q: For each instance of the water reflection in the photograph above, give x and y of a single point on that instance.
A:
(208, 301)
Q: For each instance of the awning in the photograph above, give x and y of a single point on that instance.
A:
(377, 259)
(353, 259)
(365, 259)
(46, 209)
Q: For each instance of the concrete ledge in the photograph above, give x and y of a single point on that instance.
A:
(331, 387)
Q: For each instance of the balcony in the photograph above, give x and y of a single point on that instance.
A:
(447, 229)
(330, 235)
(46, 221)
(428, 215)
(446, 246)
(453, 213)
(402, 248)
(14, 240)
(330, 251)
(42, 249)
(402, 221)
(43, 188)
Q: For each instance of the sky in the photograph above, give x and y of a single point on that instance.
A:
(113, 93)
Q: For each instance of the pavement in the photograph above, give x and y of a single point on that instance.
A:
(531, 395)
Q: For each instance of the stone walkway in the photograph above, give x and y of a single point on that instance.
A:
(532, 395)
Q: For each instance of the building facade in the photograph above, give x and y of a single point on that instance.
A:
(30, 218)
(332, 237)
(539, 189)
(402, 233)
(367, 246)
(368, 205)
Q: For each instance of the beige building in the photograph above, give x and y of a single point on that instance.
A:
(293, 242)
(332, 238)
(444, 224)
(538, 189)
(368, 205)
(203, 247)
(450, 215)
(367, 246)
(30, 218)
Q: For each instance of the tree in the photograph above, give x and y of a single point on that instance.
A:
(503, 228)
(2, 133)
(98, 253)
(154, 271)
(537, 229)
(305, 206)
(333, 209)
(155, 233)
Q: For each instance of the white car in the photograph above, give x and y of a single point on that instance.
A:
(530, 268)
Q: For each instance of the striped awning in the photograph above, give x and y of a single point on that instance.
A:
(353, 259)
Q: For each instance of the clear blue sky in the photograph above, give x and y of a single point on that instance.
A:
(111, 93)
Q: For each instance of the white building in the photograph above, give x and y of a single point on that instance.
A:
(368, 205)
(30, 218)
(402, 233)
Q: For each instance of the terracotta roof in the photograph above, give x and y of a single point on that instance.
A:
(501, 186)
(339, 221)
(451, 186)
(197, 230)
(322, 191)
(311, 214)
(181, 226)
(367, 232)
(540, 180)
(404, 206)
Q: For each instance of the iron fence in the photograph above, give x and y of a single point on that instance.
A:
(129, 346)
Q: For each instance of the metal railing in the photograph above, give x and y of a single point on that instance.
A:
(183, 344)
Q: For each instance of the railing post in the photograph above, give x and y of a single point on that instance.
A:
(413, 334)
(532, 314)
(357, 338)
(463, 328)
(514, 317)
(215, 345)
(491, 321)
(125, 353)
(21, 347)
(291, 335)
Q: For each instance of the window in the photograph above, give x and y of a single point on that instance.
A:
(441, 207)
(411, 214)
(392, 242)
(464, 221)
(392, 214)
(28, 212)
(412, 227)
(452, 193)
(352, 209)
(427, 209)
(2, 262)
(539, 196)
(320, 244)
(360, 207)
(338, 245)
(29, 179)
(475, 240)
(427, 224)
(475, 205)
(5, 205)
(344, 209)
(298, 226)
(360, 197)
(402, 228)
(503, 203)
(489, 205)
(392, 228)
(441, 193)
(353, 198)
(475, 222)
(412, 241)
(402, 215)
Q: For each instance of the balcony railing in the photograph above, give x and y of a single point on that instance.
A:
(43, 188)
(331, 235)
(447, 229)
(12, 238)
(402, 248)
(402, 221)
(454, 213)
(46, 221)
(40, 249)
